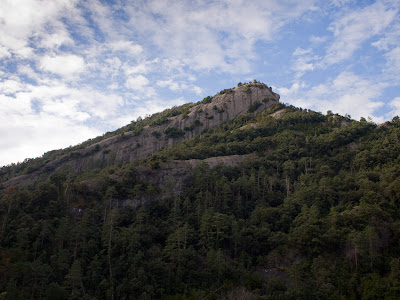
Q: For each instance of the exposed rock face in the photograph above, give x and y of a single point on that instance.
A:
(255, 98)
(182, 170)
(222, 108)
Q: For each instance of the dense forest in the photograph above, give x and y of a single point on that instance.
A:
(312, 212)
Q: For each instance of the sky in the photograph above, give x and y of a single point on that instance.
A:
(72, 70)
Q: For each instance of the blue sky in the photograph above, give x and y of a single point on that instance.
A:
(71, 70)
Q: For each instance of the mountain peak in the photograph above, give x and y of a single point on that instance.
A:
(142, 138)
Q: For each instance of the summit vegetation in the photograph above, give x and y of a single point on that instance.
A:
(305, 206)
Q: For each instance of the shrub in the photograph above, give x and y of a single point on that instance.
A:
(189, 128)
(226, 91)
(197, 122)
(207, 99)
(173, 132)
(157, 134)
(253, 107)
(159, 121)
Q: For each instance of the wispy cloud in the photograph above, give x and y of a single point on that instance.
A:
(136, 82)
(395, 108)
(217, 35)
(355, 28)
(346, 93)
(65, 65)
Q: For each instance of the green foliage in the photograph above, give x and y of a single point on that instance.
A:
(311, 210)
(206, 100)
(159, 121)
(226, 91)
(247, 89)
(195, 123)
(157, 134)
(253, 107)
(173, 132)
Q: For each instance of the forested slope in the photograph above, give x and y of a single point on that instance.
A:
(306, 206)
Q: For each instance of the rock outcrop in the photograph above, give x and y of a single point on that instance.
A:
(254, 97)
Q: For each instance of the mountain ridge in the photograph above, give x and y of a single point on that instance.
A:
(284, 203)
(143, 141)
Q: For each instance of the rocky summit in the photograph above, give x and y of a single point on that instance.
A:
(163, 131)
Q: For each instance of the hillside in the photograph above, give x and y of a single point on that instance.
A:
(262, 201)
(144, 137)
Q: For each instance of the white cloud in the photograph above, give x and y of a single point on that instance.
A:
(393, 60)
(303, 61)
(318, 39)
(302, 65)
(99, 104)
(40, 118)
(24, 19)
(390, 38)
(65, 65)
(217, 35)
(141, 68)
(38, 134)
(65, 108)
(300, 51)
(348, 93)
(11, 86)
(388, 44)
(341, 2)
(113, 86)
(354, 28)
(197, 90)
(395, 108)
(24, 69)
(4, 53)
(57, 99)
(172, 85)
(179, 86)
(56, 39)
(136, 82)
(127, 46)
(10, 106)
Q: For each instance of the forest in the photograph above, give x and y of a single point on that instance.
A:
(312, 212)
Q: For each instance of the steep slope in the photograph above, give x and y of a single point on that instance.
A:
(162, 132)
(283, 204)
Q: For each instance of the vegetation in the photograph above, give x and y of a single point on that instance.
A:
(30, 165)
(206, 100)
(226, 91)
(253, 107)
(173, 132)
(311, 213)
(157, 134)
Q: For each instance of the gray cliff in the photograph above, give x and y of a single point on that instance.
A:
(117, 149)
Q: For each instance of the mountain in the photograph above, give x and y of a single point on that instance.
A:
(235, 197)
(144, 137)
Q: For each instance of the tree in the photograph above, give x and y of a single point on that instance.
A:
(73, 280)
